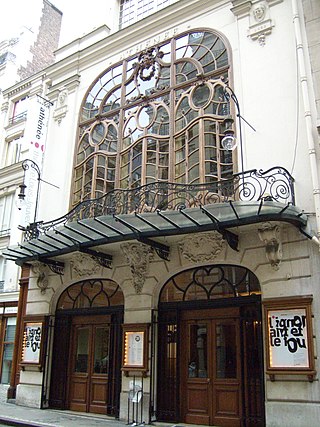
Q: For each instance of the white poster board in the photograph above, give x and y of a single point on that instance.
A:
(288, 338)
(32, 343)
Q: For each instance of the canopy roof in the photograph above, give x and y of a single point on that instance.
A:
(89, 235)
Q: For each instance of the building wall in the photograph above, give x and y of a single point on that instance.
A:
(28, 51)
(264, 59)
(311, 9)
(46, 43)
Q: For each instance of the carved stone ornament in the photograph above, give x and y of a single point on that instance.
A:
(61, 106)
(202, 247)
(84, 265)
(270, 235)
(260, 22)
(138, 256)
(147, 63)
(41, 270)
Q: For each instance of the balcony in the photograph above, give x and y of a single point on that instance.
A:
(18, 118)
(274, 185)
(152, 213)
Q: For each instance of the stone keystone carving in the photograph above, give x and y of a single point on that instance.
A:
(138, 256)
(41, 270)
(84, 265)
(202, 247)
(269, 234)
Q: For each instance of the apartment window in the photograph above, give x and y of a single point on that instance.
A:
(8, 330)
(6, 203)
(19, 111)
(133, 10)
(156, 117)
(12, 153)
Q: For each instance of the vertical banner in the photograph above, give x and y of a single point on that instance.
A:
(35, 136)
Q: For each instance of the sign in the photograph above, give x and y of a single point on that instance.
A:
(32, 343)
(35, 136)
(289, 337)
(135, 347)
(288, 340)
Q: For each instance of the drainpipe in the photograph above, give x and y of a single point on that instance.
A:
(307, 115)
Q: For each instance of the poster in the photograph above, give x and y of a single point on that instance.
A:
(134, 348)
(288, 338)
(32, 343)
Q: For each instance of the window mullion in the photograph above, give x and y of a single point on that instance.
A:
(201, 150)
(144, 161)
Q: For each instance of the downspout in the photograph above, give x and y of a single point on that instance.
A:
(307, 116)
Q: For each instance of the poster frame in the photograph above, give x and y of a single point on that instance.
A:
(39, 361)
(290, 305)
(141, 364)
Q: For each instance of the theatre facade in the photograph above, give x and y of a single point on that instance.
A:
(173, 277)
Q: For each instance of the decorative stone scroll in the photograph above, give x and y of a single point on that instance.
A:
(41, 270)
(138, 256)
(270, 235)
(202, 247)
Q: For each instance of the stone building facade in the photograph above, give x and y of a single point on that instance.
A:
(173, 274)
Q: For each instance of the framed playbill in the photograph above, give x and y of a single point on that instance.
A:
(33, 342)
(135, 347)
(289, 342)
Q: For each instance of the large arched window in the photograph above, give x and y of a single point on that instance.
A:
(154, 117)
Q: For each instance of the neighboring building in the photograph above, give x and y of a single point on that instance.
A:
(21, 57)
(173, 276)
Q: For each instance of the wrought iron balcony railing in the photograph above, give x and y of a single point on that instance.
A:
(18, 118)
(276, 184)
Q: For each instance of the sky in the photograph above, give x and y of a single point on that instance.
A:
(79, 17)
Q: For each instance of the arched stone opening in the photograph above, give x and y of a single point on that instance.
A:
(87, 332)
(210, 354)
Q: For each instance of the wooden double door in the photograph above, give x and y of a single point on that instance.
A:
(89, 364)
(211, 376)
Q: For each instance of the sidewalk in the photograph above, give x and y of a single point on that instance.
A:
(14, 415)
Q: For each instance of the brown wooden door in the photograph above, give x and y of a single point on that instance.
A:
(89, 364)
(210, 369)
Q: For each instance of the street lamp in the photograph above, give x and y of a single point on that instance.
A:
(229, 141)
(26, 164)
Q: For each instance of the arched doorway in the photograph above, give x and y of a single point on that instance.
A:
(86, 357)
(210, 358)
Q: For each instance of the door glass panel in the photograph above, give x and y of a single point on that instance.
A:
(82, 338)
(197, 363)
(101, 350)
(226, 351)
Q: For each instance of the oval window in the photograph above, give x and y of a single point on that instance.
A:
(201, 96)
(145, 116)
(97, 134)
